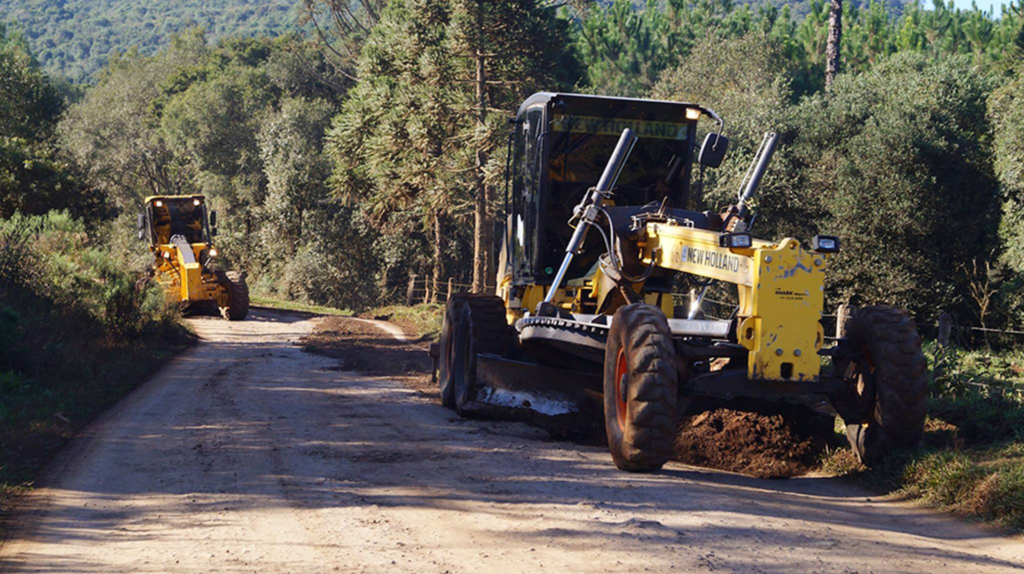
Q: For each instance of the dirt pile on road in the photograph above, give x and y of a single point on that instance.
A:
(364, 347)
(752, 443)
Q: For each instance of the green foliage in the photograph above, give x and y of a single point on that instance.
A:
(242, 121)
(899, 158)
(32, 178)
(76, 333)
(79, 37)
(748, 80)
(625, 48)
(410, 145)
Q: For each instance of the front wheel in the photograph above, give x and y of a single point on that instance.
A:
(888, 380)
(640, 388)
(238, 295)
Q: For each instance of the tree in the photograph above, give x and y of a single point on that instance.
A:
(33, 180)
(418, 132)
(901, 161)
(341, 27)
(835, 35)
(113, 132)
(747, 81)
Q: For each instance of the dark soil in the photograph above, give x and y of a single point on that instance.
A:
(367, 349)
(766, 441)
(778, 444)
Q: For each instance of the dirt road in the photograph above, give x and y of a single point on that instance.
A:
(248, 455)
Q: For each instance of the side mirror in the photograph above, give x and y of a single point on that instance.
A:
(141, 222)
(712, 151)
(213, 219)
(213, 232)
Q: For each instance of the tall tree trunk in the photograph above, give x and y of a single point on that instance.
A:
(483, 228)
(835, 35)
(438, 263)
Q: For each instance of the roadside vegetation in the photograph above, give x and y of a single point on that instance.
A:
(971, 461)
(76, 335)
(77, 332)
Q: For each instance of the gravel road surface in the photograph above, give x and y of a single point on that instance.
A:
(246, 454)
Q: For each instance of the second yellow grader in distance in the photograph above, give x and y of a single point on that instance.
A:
(180, 233)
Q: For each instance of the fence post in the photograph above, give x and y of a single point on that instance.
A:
(945, 328)
(843, 314)
(451, 288)
(942, 353)
(410, 290)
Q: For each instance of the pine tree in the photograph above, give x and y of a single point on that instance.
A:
(424, 125)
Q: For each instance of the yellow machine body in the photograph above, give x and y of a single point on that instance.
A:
(179, 233)
(780, 291)
(781, 294)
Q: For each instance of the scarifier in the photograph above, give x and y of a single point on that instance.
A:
(180, 234)
(584, 311)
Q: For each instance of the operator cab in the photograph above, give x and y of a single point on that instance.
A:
(172, 215)
(560, 146)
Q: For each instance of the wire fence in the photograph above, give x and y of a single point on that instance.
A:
(421, 289)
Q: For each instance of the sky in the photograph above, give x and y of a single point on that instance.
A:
(983, 4)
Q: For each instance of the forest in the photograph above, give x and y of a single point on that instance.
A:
(345, 158)
(347, 145)
(75, 38)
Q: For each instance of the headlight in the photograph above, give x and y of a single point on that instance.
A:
(825, 244)
(158, 203)
(213, 252)
(736, 240)
(195, 202)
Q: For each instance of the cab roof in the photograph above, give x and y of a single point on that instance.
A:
(559, 97)
(150, 198)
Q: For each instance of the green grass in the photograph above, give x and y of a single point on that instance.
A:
(296, 306)
(971, 461)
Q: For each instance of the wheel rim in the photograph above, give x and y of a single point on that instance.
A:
(621, 386)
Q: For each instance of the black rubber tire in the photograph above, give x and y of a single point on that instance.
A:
(482, 328)
(238, 296)
(891, 382)
(452, 314)
(641, 429)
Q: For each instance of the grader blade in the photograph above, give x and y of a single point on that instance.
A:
(558, 400)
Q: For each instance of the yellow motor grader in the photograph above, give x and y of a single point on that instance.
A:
(180, 233)
(600, 224)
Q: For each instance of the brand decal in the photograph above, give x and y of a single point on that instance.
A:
(614, 126)
(709, 258)
(789, 295)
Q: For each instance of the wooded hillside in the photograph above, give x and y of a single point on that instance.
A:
(75, 38)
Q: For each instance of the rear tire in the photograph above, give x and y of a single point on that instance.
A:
(238, 296)
(482, 328)
(890, 382)
(640, 388)
(445, 381)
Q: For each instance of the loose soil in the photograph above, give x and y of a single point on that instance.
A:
(768, 444)
(363, 346)
(755, 444)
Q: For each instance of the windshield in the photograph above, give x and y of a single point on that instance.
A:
(561, 148)
(184, 216)
(581, 145)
